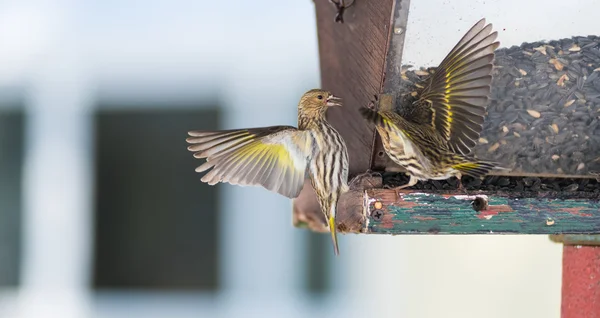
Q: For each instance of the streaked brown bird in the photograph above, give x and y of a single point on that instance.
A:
(278, 158)
(431, 137)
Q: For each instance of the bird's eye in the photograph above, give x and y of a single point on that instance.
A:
(320, 97)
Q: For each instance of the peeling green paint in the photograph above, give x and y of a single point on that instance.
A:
(413, 213)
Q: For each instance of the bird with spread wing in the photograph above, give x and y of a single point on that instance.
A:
(432, 137)
(279, 158)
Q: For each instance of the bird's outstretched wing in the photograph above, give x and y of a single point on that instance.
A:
(458, 91)
(272, 157)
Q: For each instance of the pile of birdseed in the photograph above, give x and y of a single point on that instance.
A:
(500, 183)
(544, 113)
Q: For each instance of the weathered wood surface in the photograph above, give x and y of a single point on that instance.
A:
(385, 211)
(352, 58)
(350, 218)
(406, 212)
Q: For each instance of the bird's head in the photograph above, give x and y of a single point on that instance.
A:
(316, 101)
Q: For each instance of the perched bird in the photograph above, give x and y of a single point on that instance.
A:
(278, 158)
(432, 135)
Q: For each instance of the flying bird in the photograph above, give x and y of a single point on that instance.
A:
(279, 158)
(432, 135)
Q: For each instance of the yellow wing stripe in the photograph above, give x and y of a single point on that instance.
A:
(392, 126)
(447, 101)
(257, 150)
(466, 165)
(275, 151)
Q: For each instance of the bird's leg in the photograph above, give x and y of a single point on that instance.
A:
(460, 185)
(373, 102)
(410, 183)
(340, 6)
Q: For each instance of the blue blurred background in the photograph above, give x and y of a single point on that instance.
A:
(102, 214)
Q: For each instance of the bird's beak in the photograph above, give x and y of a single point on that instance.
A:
(334, 101)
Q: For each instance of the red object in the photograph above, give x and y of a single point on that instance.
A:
(581, 282)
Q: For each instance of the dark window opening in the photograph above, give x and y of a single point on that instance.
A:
(156, 223)
(12, 124)
(318, 273)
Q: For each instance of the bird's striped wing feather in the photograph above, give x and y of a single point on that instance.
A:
(458, 91)
(273, 157)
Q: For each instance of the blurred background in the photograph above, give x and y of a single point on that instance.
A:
(102, 214)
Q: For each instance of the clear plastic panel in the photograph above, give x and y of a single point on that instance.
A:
(543, 116)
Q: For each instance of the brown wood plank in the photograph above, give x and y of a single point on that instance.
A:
(352, 58)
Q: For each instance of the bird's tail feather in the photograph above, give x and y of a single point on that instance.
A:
(476, 169)
(333, 230)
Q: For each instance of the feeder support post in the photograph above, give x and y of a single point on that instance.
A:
(580, 276)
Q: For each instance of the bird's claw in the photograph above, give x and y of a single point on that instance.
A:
(373, 102)
(340, 6)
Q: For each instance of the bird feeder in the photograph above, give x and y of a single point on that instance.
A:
(542, 124)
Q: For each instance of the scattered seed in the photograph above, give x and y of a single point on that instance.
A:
(555, 157)
(575, 48)
(534, 113)
(562, 79)
(569, 103)
(541, 49)
(483, 140)
(421, 73)
(523, 72)
(572, 187)
(557, 64)
(554, 128)
(494, 147)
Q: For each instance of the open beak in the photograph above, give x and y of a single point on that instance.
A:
(334, 101)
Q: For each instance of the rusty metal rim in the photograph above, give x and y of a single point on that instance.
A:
(576, 239)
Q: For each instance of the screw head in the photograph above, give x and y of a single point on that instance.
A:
(480, 204)
(377, 215)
